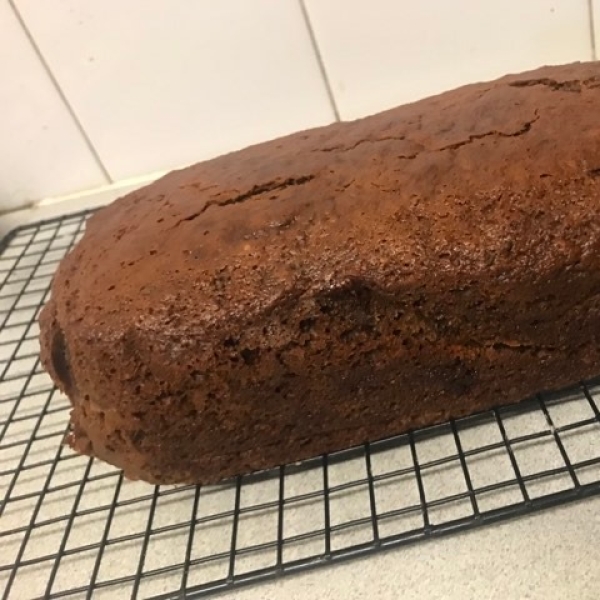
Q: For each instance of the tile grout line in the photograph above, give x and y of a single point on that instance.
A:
(592, 29)
(319, 57)
(60, 92)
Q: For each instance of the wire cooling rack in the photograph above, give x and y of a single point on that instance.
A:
(72, 527)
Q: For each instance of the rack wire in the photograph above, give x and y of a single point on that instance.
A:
(72, 527)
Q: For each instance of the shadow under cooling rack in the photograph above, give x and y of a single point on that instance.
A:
(71, 526)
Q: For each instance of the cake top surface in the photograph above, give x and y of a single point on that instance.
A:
(476, 183)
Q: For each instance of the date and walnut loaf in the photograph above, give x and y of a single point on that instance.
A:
(338, 285)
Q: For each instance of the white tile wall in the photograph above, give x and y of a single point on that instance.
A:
(158, 83)
(386, 52)
(41, 150)
(595, 9)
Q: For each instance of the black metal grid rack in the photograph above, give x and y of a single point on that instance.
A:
(72, 527)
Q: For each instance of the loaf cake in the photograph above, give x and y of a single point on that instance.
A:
(338, 285)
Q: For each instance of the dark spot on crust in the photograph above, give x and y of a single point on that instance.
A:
(250, 355)
(307, 324)
(138, 437)
(60, 361)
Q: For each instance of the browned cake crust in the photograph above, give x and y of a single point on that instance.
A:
(338, 285)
